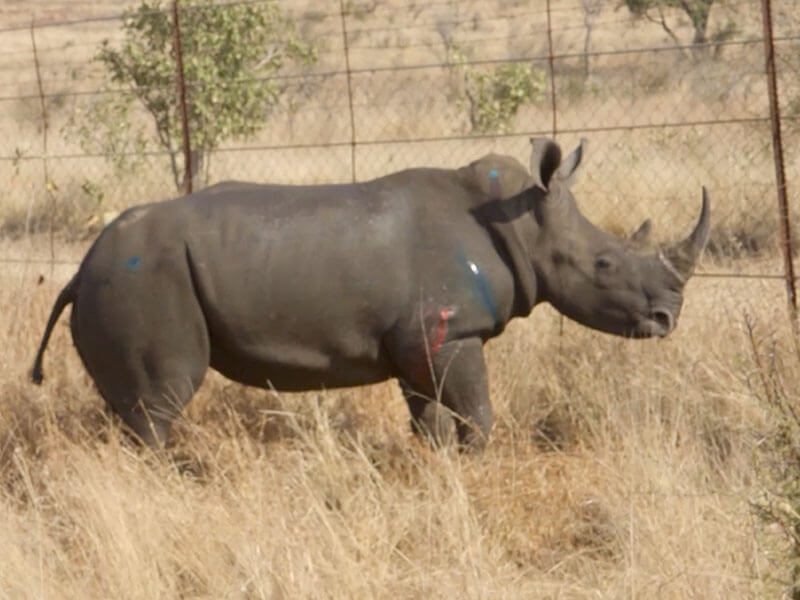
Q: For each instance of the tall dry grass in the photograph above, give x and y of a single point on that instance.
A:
(616, 469)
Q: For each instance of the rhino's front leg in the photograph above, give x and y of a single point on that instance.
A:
(429, 418)
(456, 377)
(460, 372)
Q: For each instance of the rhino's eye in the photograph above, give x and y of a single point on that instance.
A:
(603, 263)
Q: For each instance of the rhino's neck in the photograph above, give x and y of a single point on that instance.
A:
(515, 229)
(530, 289)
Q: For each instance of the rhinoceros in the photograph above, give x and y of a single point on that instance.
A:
(324, 286)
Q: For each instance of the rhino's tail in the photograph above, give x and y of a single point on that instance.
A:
(67, 296)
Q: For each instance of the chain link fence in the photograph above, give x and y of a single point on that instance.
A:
(663, 116)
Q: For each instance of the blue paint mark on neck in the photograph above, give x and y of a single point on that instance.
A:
(132, 264)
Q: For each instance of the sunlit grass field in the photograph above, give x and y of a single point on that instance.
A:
(616, 468)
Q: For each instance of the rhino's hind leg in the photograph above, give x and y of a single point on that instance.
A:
(146, 345)
(150, 416)
(148, 389)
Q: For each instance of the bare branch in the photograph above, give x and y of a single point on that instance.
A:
(663, 22)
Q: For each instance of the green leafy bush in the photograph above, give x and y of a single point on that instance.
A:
(231, 53)
(495, 96)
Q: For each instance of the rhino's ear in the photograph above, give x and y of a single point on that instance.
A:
(545, 159)
(566, 171)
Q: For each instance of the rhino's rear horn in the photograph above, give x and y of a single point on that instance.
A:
(642, 234)
(683, 255)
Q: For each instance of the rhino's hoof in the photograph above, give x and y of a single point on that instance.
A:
(436, 425)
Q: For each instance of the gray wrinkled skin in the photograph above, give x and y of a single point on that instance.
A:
(309, 287)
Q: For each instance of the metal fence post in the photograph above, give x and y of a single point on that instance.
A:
(48, 185)
(349, 93)
(181, 84)
(777, 149)
(552, 70)
(554, 123)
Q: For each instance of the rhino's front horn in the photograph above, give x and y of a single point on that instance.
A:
(681, 257)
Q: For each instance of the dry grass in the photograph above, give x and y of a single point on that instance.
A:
(617, 469)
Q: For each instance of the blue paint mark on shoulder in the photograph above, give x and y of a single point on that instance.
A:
(133, 263)
(481, 285)
(485, 292)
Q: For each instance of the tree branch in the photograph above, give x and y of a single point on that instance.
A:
(272, 53)
(663, 22)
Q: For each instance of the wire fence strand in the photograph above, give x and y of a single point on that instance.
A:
(394, 86)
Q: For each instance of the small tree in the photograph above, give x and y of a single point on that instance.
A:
(591, 10)
(230, 54)
(494, 96)
(697, 11)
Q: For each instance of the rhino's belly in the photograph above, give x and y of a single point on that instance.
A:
(291, 365)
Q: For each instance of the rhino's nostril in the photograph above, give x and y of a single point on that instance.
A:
(663, 318)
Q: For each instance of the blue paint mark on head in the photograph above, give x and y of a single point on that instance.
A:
(132, 264)
(493, 174)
